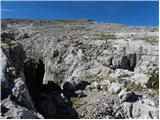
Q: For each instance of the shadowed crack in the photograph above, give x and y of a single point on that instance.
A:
(47, 98)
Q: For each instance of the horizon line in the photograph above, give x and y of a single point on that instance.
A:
(54, 19)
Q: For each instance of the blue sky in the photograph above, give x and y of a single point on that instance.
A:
(143, 13)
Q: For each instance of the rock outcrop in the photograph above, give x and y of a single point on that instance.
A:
(83, 69)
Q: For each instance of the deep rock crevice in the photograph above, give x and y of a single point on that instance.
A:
(59, 70)
(47, 98)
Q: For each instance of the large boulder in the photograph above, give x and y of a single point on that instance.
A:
(140, 78)
(21, 94)
(140, 111)
(119, 73)
(16, 100)
(13, 111)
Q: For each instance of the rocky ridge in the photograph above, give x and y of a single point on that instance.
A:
(78, 69)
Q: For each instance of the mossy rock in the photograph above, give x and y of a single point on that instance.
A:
(153, 82)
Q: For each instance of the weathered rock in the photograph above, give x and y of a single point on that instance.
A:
(115, 88)
(25, 36)
(141, 111)
(119, 73)
(80, 93)
(4, 80)
(148, 101)
(20, 104)
(7, 35)
(140, 78)
(147, 67)
(127, 108)
(21, 94)
(125, 95)
(51, 65)
(95, 84)
(13, 110)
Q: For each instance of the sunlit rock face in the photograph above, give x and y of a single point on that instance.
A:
(78, 69)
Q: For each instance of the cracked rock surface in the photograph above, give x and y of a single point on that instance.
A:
(78, 69)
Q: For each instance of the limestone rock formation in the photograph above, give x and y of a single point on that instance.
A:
(80, 69)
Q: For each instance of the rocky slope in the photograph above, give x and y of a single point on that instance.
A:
(78, 69)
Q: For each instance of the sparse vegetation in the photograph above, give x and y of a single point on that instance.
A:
(90, 77)
(135, 87)
(73, 20)
(76, 102)
(72, 37)
(69, 37)
(66, 45)
(49, 27)
(155, 64)
(7, 37)
(61, 39)
(6, 41)
(150, 40)
(98, 78)
(106, 37)
(153, 82)
(78, 69)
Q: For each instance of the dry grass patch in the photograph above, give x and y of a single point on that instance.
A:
(153, 82)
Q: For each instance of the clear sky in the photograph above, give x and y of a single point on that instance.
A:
(143, 13)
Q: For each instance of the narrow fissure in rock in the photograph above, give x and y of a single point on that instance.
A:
(34, 73)
(47, 98)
